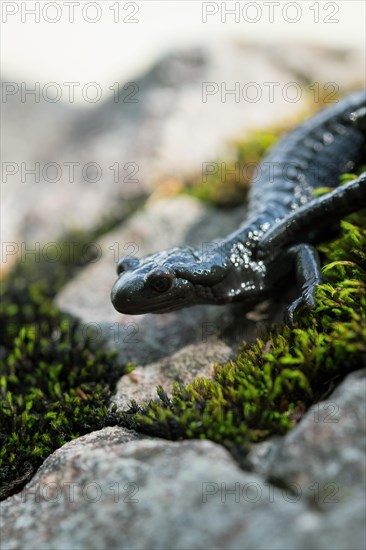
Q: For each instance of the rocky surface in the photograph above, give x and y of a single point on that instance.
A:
(115, 488)
(110, 489)
(160, 126)
(326, 452)
(184, 366)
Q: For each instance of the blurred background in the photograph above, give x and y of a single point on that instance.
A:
(103, 101)
(127, 37)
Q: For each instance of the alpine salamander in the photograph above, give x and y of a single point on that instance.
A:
(284, 222)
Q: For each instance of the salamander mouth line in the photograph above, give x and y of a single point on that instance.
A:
(161, 303)
(160, 307)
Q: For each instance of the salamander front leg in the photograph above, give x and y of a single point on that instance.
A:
(308, 277)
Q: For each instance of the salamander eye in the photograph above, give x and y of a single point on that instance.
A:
(161, 280)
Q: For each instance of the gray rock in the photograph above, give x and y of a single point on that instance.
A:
(329, 68)
(105, 492)
(183, 367)
(323, 461)
(324, 456)
(29, 136)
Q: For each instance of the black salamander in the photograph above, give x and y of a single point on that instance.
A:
(284, 222)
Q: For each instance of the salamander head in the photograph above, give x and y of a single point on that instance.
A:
(164, 281)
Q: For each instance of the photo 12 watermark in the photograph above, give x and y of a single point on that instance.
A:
(91, 333)
(69, 92)
(269, 92)
(70, 171)
(254, 492)
(75, 491)
(270, 12)
(69, 252)
(118, 12)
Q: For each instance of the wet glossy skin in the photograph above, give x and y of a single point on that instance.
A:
(284, 220)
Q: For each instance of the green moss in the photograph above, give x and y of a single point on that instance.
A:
(55, 381)
(269, 385)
